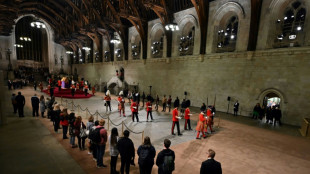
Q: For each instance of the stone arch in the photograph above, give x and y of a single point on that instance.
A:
(186, 24)
(221, 17)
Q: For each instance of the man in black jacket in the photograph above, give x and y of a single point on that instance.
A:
(20, 99)
(211, 166)
(127, 151)
(165, 159)
(35, 105)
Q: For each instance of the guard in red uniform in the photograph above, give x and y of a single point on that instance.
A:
(121, 105)
(200, 126)
(41, 86)
(149, 110)
(59, 84)
(209, 121)
(77, 86)
(175, 121)
(187, 119)
(134, 110)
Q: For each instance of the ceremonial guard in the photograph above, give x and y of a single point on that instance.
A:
(175, 121)
(107, 99)
(77, 86)
(149, 110)
(209, 121)
(187, 119)
(134, 110)
(201, 125)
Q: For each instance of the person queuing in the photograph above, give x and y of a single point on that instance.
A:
(78, 125)
(277, 116)
(56, 117)
(200, 125)
(20, 102)
(64, 122)
(175, 121)
(169, 101)
(134, 110)
(42, 105)
(149, 110)
(256, 111)
(101, 146)
(165, 159)
(211, 166)
(14, 103)
(126, 149)
(113, 139)
(146, 153)
(187, 119)
(35, 105)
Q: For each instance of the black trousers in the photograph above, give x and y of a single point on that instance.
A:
(133, 116)
(86, 92)
(56, 125)
(149, 113)
(235, 112)
(187, 122)
(20, 111)
(15, 108)
(164, 107)
(109, 105)
(113, 164)
(145, 169)
(178, 127)
(125, 163)
(81, 142)
(35, 111)
(72, 92)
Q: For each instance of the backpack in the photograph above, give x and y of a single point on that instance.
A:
(94, 135)
(144, 153)
(168, 165)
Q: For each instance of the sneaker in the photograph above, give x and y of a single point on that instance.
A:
(173, 134)
(198, 138)
(89, 153)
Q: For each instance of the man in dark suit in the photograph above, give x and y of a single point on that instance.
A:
(20, 99)
(35, 105)
(236, 108)
(210, 166)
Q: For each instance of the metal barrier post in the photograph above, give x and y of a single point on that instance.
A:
(96, 115)
(78, 109)
(218, 125)
(61, 100)
(66, 103)
(122, 126)
(142, 137)
(72, 104)
(86, 112)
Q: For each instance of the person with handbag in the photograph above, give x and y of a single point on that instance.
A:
(42, 105)
(80, 132)
(71, 129)
(89, 126)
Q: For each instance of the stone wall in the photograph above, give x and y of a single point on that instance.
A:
(245, 76)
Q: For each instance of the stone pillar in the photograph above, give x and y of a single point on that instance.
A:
(3, 119)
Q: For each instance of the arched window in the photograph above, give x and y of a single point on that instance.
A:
(187, 41)
(157, 44)
(290, 26)
(30, 39)
(227, 36)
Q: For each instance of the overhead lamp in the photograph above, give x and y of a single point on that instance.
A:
(115, 41)
(172, 27)
(285, 18)
(232, 36)
(69, 52)
(18, 46)
(299, 28)
(25, 39)
(280, 37)
(292, 36)
(86, 48)
(37, 24)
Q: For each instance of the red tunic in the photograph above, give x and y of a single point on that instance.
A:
(175, 113)
(77, 86)
(59, 82)
(121, 103)
(200, 125)
(134, 107)
(186, 115)
(148, 106)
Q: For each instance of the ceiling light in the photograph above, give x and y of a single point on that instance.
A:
(298, 28)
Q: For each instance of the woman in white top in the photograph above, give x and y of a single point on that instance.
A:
(113, 139)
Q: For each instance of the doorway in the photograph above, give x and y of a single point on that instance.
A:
(271, 100)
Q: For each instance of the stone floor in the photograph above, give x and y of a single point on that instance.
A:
(242, 145)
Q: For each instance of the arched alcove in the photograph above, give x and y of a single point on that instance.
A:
(156, 41)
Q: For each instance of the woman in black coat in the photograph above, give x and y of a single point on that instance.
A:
(146, 153)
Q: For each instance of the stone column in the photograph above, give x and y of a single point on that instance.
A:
(3, 119)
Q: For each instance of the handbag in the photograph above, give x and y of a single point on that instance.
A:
(83, 132)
